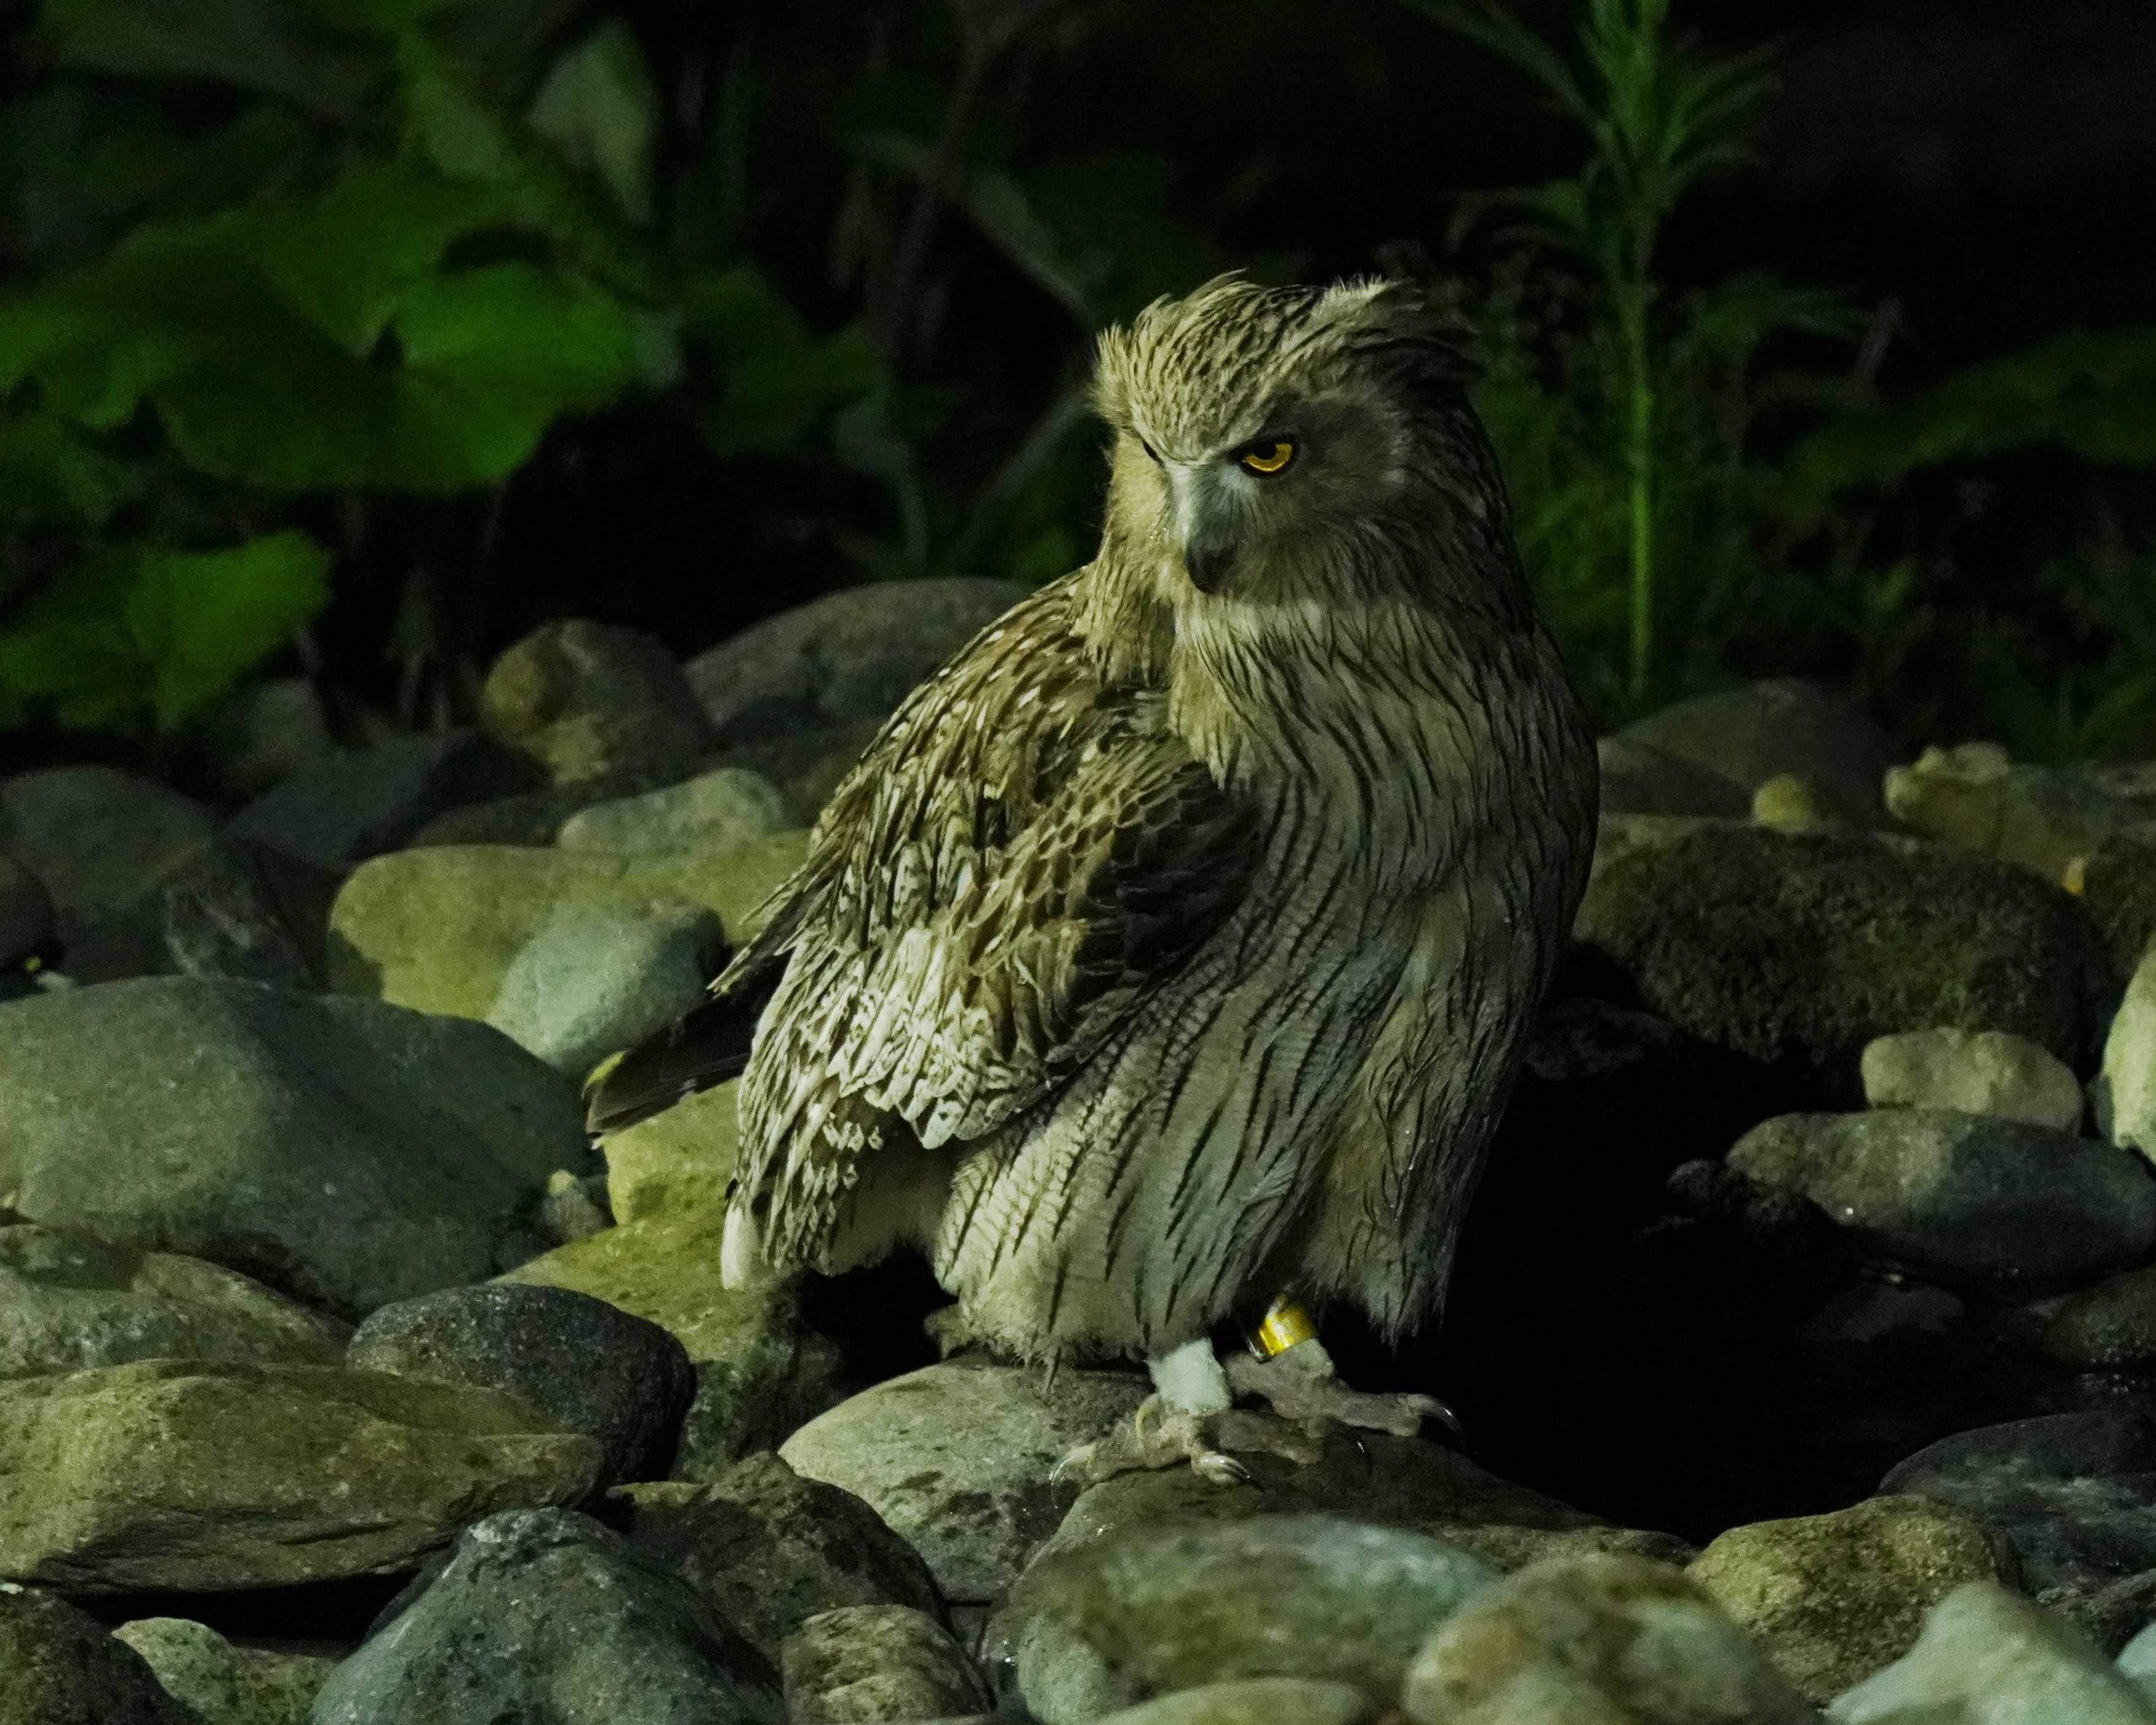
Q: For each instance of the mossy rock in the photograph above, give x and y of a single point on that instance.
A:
(1797, 950)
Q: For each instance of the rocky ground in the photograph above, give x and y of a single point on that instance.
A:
(1805, 1332)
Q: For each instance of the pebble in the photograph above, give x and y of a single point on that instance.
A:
(1782, 726)
(588, 1366)
(2125, 1093)
(2041, 818)
(345, 1152)
(1797, 951)
(438, 929)
(176, 1474)
(71, 1301)
(1973, 1072)
(768, 1549)
(585, 700)
(597, 978)
(1837, 1597)
(866, 1665)
(958, 1458)
(726, 808)
(1988, 1657)
(96, 837)
(850, 655)
(761, 1372)
(1596, 1640)
(222, 1684)
(1152, 1610)
(2073, 1494)
(355, 803)
(545, 1614)
(58, 1666)
(1964, 1199)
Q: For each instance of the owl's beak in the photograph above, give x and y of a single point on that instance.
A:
(1205, 521)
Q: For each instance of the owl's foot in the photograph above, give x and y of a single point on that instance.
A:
(1161, 1435)
(1301, 1386)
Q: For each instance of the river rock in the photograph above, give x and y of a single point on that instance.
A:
(761, 1372)
(257, 736)
(1150, 1611)
(1987, 1657)
(189, 1474)
(58, 1666)
(1595, 1641)
(768, 1550)
(238, 908)
(1798, 950)
(1260, 1700)
(1638, 779)
(438, 929)
(588, 1366)
(356, 804)
(726, 808)
(1973, 1072)
(345, 1152)
(71, 1301)
(2073, 1494)
(585, 700)
(1784, 724)
(2045, 819)
(27, 917)
(1405, 1483)
(2118, 883)
(1966, 1200)
(958, 1459)
(2108, 1328)
(678, 1163)
(865, 1665)
(850, 655)
(96, 837)
(2125, 1093)
(1837, 1597)
(546, 1615)
(222, 1684)
(597, 978)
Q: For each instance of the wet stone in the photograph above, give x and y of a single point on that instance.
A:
(867, 1665)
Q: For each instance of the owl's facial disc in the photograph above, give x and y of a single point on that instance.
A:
(1218, 503)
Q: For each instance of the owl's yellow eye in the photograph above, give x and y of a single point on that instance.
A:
(1269, 455)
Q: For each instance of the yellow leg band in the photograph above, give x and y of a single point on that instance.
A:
(1284, 1324)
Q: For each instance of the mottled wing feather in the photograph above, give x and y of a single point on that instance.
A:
(1018, 859)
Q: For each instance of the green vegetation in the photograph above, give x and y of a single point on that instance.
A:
(308, 307)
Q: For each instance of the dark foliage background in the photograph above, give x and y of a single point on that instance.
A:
(360, 336)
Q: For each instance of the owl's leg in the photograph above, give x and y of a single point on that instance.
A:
(1289, 1369)
(1190, 1417)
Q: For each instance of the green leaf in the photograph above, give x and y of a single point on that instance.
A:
(203, 619)
(148, 631)
(49, 473)
(601, 108)
(257, 45)
(779, 379)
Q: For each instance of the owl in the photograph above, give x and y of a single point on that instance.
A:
(1171, 951)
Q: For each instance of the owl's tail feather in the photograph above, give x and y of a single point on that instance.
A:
(705, 1046)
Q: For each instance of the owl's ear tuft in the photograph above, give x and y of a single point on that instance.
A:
(1111, 376)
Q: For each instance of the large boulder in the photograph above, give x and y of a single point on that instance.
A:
(58, 1666)
(1968, 1200)
(189, 1474)
(545, 1616)
(346, 1153)
(223, 1684)
(760, 1371)
(438, 929)
(1784, 726)
(96, 837)
(959, 1459)
(850, 655)
(589, 700)
(1798, 950)
(72, 1301)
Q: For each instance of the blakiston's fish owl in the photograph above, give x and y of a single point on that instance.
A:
(1173, 945)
